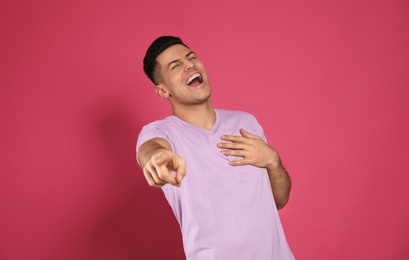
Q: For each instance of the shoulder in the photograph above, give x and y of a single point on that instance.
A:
(156, 129)
(235, 120)
(162, 124)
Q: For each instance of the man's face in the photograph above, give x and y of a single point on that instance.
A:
(184, 79)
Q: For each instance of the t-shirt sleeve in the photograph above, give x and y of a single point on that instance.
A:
(259, 128)
(149, 132)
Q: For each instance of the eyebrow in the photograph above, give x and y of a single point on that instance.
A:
(175, 61)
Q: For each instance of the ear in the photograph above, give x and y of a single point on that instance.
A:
(161, 91)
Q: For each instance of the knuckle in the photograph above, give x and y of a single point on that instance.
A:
(161, 175)
(155, 156)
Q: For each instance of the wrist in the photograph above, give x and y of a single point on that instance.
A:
(275, 166)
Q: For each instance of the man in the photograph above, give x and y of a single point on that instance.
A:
(222, 180)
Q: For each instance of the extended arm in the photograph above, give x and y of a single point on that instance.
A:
(160, 164)
(256, 152)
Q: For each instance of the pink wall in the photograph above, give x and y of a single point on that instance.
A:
(329, 82)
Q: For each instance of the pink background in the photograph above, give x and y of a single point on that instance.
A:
(328, 80)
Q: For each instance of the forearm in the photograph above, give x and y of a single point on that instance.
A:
(280, 184)
(149, 148)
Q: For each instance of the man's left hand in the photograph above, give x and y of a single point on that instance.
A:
(251, 148)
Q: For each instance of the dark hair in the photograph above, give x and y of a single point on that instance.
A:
(156, 48)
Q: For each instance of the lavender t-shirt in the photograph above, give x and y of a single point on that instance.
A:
(225, 212)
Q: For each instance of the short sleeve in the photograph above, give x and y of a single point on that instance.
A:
(260, 131)
(149, 132)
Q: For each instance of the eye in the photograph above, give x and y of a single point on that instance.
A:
(174, 66)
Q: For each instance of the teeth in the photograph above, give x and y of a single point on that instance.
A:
(191, 78)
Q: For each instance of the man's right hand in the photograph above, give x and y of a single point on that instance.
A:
(164, 167)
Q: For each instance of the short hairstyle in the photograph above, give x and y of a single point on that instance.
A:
(154, 50)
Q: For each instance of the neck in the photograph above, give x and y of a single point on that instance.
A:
(201, 115)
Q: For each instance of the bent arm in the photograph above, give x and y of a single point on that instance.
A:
(160, 164)
(255, 151)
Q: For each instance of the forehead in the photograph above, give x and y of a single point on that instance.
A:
(172, 53)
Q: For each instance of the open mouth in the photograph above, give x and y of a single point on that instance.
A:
(194, 80)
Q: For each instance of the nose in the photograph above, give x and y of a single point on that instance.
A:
(189, 64)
